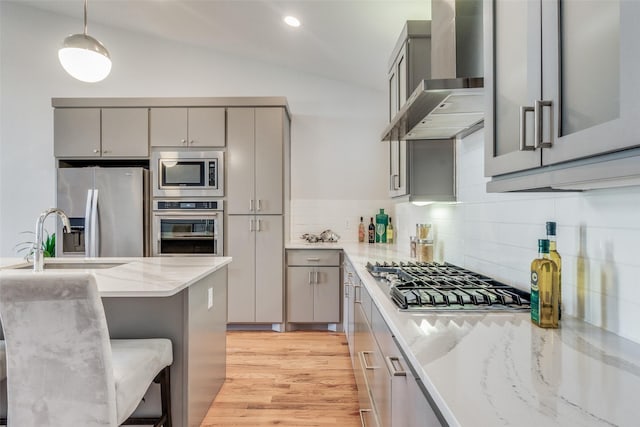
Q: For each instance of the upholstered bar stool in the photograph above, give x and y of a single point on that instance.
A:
(62, 369)
(3, 375)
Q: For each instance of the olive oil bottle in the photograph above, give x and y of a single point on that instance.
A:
(555, 257)
(544, 288)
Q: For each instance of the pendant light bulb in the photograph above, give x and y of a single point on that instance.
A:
(84, 57)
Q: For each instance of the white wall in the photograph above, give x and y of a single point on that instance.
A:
(335, 125)
(496, 234)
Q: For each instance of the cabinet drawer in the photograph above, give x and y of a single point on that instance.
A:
(313, 257)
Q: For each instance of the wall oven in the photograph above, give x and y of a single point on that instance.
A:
(188, 227)
(188, 173)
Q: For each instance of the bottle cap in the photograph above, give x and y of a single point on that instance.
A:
(381, 211)
(543, 246)
(551, 228)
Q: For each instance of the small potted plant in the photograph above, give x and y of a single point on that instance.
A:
(28, 247)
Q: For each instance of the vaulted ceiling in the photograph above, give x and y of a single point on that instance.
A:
(348, 40)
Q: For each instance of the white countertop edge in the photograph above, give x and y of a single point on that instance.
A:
(137, 271)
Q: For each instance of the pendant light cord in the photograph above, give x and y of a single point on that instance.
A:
(85, 17)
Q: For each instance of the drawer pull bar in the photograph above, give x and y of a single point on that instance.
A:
(363, 358)
(316, 259)
(362, 416)
(392, 366)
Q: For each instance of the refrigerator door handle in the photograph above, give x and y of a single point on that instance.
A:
(87, 224)
(95, 226)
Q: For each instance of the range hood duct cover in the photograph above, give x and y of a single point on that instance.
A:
(451, 102)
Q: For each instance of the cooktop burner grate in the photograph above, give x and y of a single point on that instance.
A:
(447, 287)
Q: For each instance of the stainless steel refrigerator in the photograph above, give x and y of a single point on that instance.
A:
(108, 209)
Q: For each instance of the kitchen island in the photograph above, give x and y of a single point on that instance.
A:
(180, 298)
(498, 369)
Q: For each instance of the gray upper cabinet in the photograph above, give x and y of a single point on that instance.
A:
(125, 132)
(408, 65)
(561, 82)
(95, 132)
(197, 127)
(255, 160)
(398, 168)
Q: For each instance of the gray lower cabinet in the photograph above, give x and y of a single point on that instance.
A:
(350, 285)
(256, 276)
(101, 132)
(195, 127)
(389, 392)
(559, 91)
(313, 286)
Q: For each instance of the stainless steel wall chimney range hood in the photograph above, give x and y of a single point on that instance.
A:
(450, 101)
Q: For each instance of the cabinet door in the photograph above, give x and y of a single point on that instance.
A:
(269, 269)
(206, 127)
(393, 92)
(398, 168)
(125, 132)
(76, 132)
(241, 292)
(513, 79)
(240, 161)
(168, 127)
(300, 290)
(269, 154)
(590, 77)
(326, 298)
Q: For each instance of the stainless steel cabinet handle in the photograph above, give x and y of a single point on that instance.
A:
(106, 151)
(310, 281)
(364, 362)
(355, 294)
(251, 205)
(523, 129)
(96, 151)
(313, 259)
(537, 119)
(184, 141)
(191, 142)
(258, 225)
(395, 178)
(316, 280)
(392, 367)
(250, 225)
(346, 289)
(362, 416)
(259, 205)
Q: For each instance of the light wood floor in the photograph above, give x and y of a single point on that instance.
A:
(288, 379)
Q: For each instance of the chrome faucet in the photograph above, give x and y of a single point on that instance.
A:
(38, 253)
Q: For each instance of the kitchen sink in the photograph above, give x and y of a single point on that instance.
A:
(75, 265)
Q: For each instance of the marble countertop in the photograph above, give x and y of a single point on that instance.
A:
(135, 277)
(499, 369)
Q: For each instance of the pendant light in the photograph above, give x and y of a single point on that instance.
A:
(84, 57)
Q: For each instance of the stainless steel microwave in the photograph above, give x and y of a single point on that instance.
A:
(188, 173)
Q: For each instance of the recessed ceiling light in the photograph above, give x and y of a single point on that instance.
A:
(292, 21)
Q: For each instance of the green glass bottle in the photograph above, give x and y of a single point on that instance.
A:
(544, 288)
(382, 219)
(555, 257)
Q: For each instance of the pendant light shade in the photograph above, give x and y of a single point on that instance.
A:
(84, 57)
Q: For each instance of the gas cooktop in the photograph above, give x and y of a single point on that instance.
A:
(418, 286)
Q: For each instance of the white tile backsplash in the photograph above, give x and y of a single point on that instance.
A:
(496, 234)
(341, 216)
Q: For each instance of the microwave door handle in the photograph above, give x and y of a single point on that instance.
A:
(87, 224)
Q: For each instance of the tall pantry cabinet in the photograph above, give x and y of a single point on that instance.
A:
(258, 147)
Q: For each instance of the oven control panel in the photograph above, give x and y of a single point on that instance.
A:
(200, 205)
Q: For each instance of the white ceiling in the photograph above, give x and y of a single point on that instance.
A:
(348, 40)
